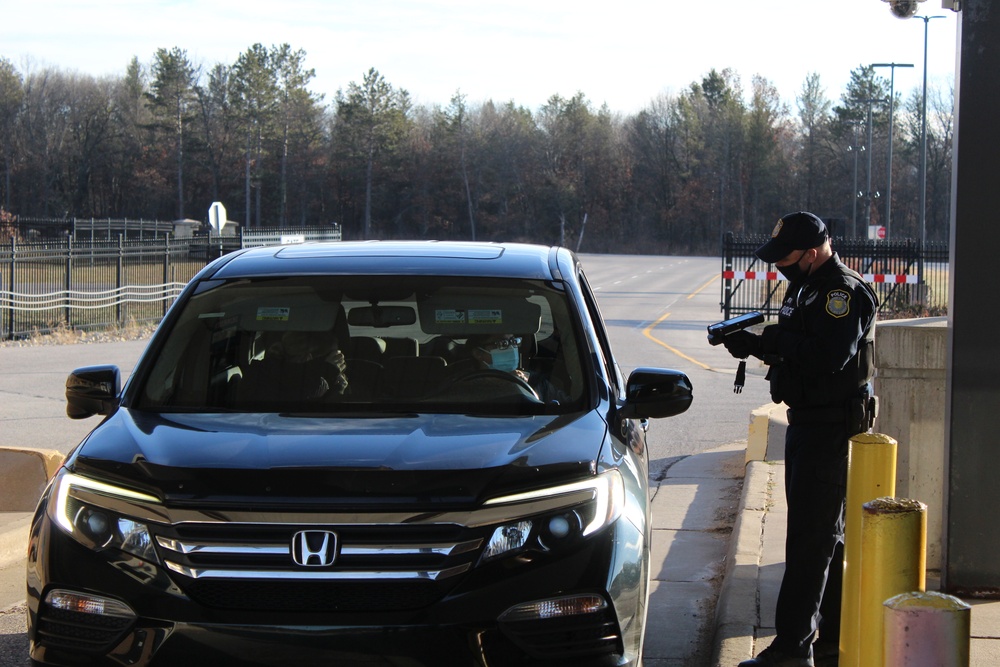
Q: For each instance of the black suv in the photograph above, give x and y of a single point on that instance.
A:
(410, 453)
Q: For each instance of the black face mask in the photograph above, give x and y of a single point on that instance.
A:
(793, 271)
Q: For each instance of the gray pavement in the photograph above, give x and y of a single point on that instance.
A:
(693, 509)
(33, 386)
(718, 525)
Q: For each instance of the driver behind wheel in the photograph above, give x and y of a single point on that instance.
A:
(502, 352)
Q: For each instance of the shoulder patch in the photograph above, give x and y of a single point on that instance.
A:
(838, 302)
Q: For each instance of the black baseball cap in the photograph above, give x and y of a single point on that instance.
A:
(795, 231)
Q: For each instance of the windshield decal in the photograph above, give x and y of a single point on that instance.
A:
(273, 314)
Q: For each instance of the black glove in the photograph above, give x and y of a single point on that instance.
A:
(742, 344)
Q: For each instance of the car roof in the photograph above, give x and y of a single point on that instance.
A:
(513, 260)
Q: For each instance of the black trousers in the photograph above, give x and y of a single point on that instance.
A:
(815, 492)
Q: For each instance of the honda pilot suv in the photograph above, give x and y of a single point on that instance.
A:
(381, 453)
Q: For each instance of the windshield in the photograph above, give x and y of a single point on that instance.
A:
(377, 344)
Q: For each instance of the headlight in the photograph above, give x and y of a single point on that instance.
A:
(506, 538)
(93, 525)
(592, 504)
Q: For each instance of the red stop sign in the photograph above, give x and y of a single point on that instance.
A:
(880, 232)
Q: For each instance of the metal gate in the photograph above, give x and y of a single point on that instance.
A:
(909, 279)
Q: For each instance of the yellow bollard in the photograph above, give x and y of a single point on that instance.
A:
(893, 561)
(927, 630)
(871, 473)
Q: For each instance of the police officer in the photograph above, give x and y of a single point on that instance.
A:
(821, 359)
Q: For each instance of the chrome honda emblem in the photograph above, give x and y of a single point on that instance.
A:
(314, 548)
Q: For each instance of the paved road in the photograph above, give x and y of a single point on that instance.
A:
(656, 310)
(33, 385)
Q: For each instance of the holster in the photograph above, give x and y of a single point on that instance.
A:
(861, 413)
(872, 411)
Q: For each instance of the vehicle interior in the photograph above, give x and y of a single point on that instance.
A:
(368, 343)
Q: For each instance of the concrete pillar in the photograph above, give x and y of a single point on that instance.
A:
(971, 539)
(911, 381)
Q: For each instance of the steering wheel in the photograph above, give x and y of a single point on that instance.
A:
(492, 374)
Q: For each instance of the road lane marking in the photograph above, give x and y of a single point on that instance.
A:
(647, 332)
(710, 281)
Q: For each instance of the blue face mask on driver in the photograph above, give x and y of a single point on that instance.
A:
(505, 360)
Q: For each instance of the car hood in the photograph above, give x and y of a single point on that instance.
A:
(422, 459)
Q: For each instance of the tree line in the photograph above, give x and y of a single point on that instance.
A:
(166, 139)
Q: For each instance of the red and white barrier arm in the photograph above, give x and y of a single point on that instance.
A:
(752, 275)
(900, 278)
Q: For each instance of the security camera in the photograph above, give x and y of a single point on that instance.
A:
(903, 9)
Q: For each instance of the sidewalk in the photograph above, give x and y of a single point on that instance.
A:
(745, 612)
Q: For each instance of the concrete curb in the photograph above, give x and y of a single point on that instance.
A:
(26, 472)
(757, 436)
(738, 609)
(763, 442)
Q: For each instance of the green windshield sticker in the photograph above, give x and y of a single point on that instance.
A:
(273, 314)
(486, 316)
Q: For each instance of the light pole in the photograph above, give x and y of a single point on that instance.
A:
(892, 104)
(923, 140)
(868, 189)
(855, 148)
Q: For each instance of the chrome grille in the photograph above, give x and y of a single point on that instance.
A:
(250, 566)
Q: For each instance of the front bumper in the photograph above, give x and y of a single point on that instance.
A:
(148, 643)
(463, 627)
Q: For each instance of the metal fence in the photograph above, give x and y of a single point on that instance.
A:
(93, 229)
(100, 284)
(911, 280)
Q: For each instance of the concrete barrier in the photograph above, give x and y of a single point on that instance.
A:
(23, 475)
(911, 359)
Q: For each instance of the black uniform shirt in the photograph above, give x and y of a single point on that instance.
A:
(825, 320)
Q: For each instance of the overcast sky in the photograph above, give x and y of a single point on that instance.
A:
(621, 52)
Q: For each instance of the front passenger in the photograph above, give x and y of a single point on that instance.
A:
(301, 366)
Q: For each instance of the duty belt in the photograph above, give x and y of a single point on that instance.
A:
(823, 415)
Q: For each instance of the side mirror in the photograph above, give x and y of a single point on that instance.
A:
(652, 393)
(92, 390)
